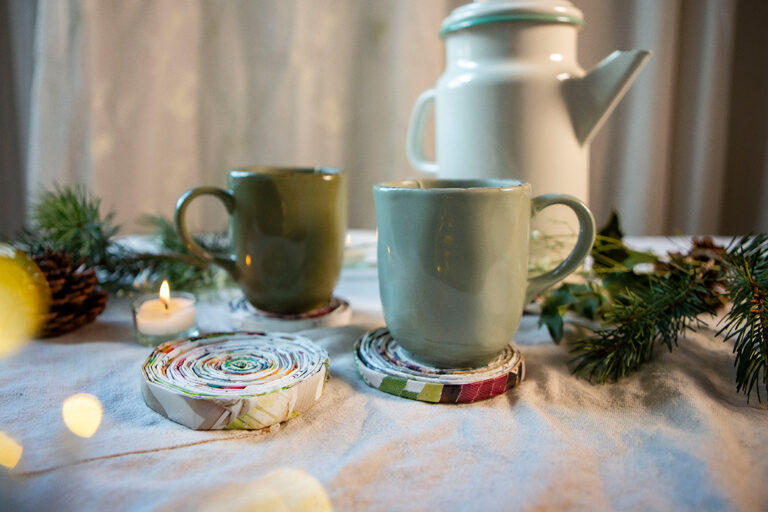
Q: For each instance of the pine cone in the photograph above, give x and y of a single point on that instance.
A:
(76, 298)
(704, 250)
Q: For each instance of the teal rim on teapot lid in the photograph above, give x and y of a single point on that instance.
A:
(482, 12)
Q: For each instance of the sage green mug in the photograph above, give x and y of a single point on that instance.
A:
(286, 229)
(453, 264)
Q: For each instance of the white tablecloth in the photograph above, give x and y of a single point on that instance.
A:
(675, 436)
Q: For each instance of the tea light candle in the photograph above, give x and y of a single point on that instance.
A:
(165, 317)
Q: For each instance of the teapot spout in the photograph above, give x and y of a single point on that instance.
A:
(592, 98)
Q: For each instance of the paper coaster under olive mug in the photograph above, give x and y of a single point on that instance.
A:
(245, 317)
(453, 264)
(287, 229)
(386, 366)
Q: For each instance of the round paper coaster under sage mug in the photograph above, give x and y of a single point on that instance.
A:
(287, 231)
(387, 367)
(244, 316)
(453, 264)
(240, 380)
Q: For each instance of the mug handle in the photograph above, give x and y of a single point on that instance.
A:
(584, 242)
(414, 141)
(227, 262)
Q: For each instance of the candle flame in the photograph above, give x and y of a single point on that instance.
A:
(165, 294)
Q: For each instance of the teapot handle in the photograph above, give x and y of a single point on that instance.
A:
(414, 143)
(584, 242)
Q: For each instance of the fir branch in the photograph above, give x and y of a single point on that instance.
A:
(69, 219)
(637, 311)
(130, 271)
(658, 313)
(747, 322)
(140, 270)
(164, 230)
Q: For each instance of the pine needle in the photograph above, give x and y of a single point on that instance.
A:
(642, 318)
(70, 219)
(747, 321)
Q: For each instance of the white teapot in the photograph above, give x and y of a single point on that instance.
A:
(513, 102)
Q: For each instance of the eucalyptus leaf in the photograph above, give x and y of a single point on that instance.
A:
(553, 320)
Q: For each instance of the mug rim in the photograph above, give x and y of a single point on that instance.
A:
(274, 170)
(442, 185)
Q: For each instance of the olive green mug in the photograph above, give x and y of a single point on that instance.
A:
(453, 264)
(286, 229)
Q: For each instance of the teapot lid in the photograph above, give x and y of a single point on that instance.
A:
(481, 12)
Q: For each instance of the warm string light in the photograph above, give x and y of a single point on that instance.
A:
(82, 414)
(284, 489)
(10, 451)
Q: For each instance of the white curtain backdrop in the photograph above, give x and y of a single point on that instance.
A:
(660, 159)
(143, 99)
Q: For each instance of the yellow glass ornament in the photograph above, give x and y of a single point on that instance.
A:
(24, 299)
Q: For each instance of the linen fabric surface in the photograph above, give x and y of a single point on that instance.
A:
(674, 436)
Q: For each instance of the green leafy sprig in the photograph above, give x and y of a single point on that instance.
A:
(612, 273)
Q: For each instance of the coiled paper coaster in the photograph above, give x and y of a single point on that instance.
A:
(240, 380)
(246, 316)
(387, 367)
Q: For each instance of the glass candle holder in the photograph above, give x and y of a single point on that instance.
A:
(157, 321)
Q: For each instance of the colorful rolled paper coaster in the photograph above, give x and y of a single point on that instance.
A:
(384, 365)
(246, 316)
(240, 380)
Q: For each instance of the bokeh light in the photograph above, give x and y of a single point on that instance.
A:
(10, 451)
(82, 414)
(282, 490)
